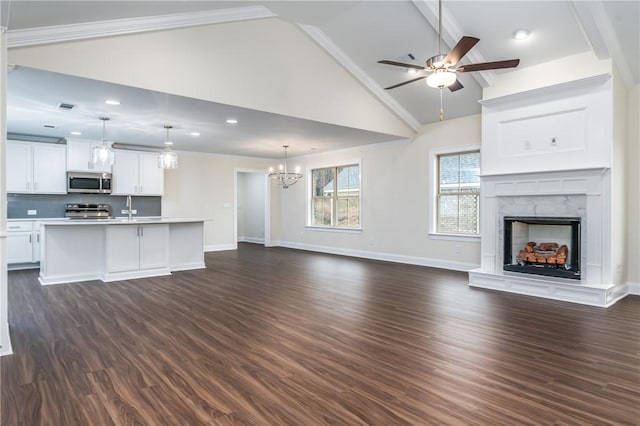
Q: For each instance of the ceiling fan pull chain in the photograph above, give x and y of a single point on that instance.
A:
(441, 108)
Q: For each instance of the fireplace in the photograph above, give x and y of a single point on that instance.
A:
(548, 246)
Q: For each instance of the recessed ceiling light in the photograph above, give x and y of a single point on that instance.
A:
(232, 121)
(76, 133)
(521, 34)
(194, 133)
(112, 102)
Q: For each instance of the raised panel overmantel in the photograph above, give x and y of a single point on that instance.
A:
(562, 127)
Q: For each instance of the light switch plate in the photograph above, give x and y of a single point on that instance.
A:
(32, 212)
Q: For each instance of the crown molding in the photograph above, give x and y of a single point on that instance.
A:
(61, 33)
(451, 33)
(327, 44)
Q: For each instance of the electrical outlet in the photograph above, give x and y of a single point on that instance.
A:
(527, 145)
(32, 212)
(554, 141)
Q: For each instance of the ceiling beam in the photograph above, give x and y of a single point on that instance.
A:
(601, 35)
(451, 33)
(343, 59)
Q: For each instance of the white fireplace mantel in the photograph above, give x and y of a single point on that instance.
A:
(582, 193)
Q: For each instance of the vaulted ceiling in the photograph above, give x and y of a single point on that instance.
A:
(356, 35)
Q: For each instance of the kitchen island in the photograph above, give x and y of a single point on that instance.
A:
(118, 249)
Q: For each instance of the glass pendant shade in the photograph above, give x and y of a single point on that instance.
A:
(103, 154)
(441, 78)
(168, 159)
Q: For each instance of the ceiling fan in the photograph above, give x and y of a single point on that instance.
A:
(443, 69)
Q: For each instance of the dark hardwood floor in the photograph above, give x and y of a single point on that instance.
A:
(279, 337)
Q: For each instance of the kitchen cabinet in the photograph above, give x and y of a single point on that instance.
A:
(137, 173)
(119, 249)
(23, 242)
(36, 168)
(79, 157)
(137, 247)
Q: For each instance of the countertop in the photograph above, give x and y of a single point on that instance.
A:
(117, 221)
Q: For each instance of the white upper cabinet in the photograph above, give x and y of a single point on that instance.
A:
(36, 168)
(79, 157)
(137, 173)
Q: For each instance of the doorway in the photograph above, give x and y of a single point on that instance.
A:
(252, 207)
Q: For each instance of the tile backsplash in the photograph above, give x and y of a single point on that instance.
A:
(52, 206)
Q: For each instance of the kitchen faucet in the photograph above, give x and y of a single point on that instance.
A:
(129, 206)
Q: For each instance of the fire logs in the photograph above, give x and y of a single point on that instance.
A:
(549, 253)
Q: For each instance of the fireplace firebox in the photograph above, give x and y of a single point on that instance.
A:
(547, 246)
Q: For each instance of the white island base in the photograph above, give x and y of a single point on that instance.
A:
(113, 250)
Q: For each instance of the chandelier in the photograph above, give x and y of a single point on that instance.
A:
(168, 159)
(283, 176)
(103, 154)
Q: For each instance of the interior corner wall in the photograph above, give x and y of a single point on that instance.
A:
(203, 187)
(395, 202)
(265, 64)
(5, 338)
(633, 190)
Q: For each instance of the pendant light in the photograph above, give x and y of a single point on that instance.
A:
(168, 159)
(103, 154)
(283, 176)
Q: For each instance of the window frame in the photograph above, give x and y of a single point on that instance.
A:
(433, 193)
(333, 165)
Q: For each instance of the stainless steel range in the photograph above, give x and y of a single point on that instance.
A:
(87, 211)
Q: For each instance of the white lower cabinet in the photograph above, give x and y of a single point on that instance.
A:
(23, 242)
(137, 247)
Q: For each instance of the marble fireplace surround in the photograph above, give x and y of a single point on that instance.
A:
(572, 193)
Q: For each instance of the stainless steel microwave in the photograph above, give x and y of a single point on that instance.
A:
(89, 183)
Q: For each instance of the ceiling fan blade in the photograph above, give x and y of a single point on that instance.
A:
(459, 50)
(405, 82)
(512, 63)
(401, 64)
(456, 86)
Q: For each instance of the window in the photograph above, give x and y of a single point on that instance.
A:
(335, 197)
(458, 193)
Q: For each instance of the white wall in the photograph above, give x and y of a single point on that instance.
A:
(395, 201)
(633, 190)
(570, 68)
(619, 181)
(250, 209)
(267, 65)
(203, 186)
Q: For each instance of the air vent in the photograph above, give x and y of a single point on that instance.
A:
(65, 106)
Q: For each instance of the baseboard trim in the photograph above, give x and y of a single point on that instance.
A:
(220, 247)
(388, 257)
(634, 288)
(251, 240)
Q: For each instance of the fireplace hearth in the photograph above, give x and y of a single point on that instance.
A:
(548, 246)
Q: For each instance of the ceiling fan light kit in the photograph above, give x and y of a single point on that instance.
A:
(443, 67)
(441, 78)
